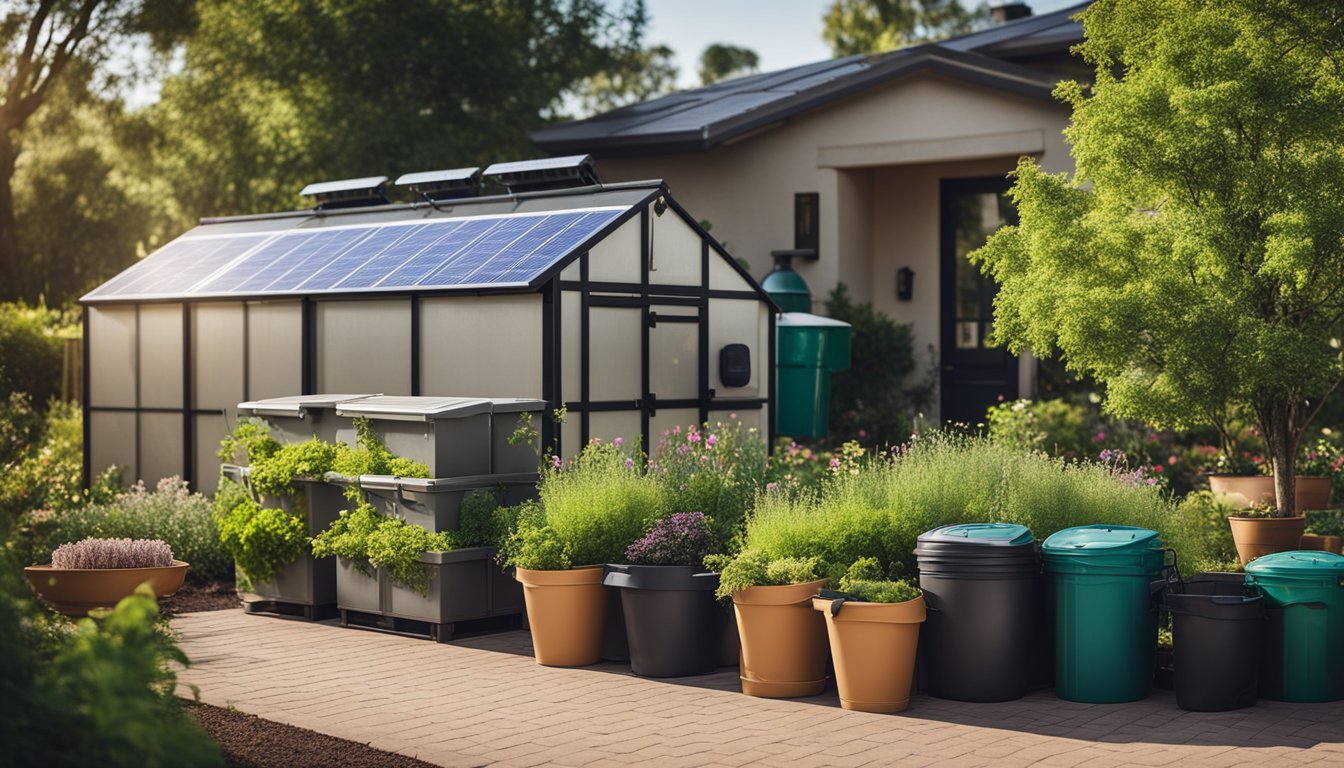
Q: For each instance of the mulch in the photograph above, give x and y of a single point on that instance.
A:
(248, 741)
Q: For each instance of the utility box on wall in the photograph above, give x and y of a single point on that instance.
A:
(610, 301)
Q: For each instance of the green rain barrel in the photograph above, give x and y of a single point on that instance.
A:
(809, 349)
(1304, 642)
(1105, 612)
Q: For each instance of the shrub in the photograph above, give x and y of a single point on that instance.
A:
(754, 568)
(682, 539)
(184, 520)
(32, 350)
(250, 443)
(534, 545)
(261, 540)
(50, 475)
(866, 581)
(113, 553)
(372, 540)
(483, 522)
(716, 470)
(275, 474)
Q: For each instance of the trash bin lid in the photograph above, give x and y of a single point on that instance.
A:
(295, 406)
(1306, 565)
(980, 534)
(516, 404)
(813, 340)
(1101, 540)
(398, 408)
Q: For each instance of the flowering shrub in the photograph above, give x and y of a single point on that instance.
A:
(714, 469)
(1322, 458)
(113, 553)
(682, 539)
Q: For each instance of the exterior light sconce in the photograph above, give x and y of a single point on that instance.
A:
(905, 284)
(806, 223)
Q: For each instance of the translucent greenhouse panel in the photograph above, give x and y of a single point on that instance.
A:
(572, 272)
(571, 346)
(481, 346)
(210, 430)
(112, 357)
(274, 349)
(217, 356)
(570, 437)
(616, 258)
(160, 447)
(722, 276)
(676, 251)
(737, 321)
(667, 420)
(614, 354)
(364, 346)
(609, 425)
(674, 356)
(750, 418)
(161, 356)
(112, 443)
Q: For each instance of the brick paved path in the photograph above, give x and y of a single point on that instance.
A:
(483, 701)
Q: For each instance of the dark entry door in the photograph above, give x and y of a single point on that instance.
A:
(974, 375)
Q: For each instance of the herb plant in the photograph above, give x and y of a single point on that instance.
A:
(262, 540)
(754, 568)
(113, 553)
(715, 469)
(866, 581)
(682, 539)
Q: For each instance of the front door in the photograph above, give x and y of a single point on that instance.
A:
(974, 375)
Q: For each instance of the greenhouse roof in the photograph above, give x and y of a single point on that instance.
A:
(493, 243)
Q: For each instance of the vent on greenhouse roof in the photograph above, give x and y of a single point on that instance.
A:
(545, 174)
(348, 193)
(435, 186)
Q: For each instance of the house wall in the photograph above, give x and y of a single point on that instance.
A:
(876, 160)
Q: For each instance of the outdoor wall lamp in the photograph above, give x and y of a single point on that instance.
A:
(905, 284)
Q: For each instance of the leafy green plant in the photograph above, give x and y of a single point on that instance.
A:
(535, 546)
(866, 581)
(370, 456)
(483, 522)
(715, 469)
(249, 443)
(372, 540)
(754, 568)
(48, 478)
(261, 540)
(1202, 517)
(274, 475)
(348, 536)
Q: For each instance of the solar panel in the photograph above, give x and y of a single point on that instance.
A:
(506, 249)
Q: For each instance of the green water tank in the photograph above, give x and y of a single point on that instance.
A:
(809, 348)
(785, 286)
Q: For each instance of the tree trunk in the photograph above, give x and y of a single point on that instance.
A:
(11, 274)
(1278, 424)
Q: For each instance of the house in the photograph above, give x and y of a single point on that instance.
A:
(891, 167)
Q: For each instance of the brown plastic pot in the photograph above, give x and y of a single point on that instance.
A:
(565, 611)
(76, 591)
(1310, 492)
(1260, 536)
(1321, 543)
(873, 645)
(783, 640)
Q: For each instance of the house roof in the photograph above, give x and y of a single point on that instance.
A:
(501, 243)
(701, 118)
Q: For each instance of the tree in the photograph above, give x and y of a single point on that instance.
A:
(720, 61)
(874, 26)
(1195, 262)
(634, 76)
(274, 95)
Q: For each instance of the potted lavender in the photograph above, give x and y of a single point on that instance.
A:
(97, 573)
(672, 622)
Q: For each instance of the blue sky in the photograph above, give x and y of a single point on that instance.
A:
(784, 32)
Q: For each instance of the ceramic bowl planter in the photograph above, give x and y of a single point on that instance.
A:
(1260, 536)
(783, 639)
(874, 646)
(565, 611)
(76, 591)
(672, 621)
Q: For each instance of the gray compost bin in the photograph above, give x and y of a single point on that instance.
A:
(299, 418)
(449, 434)
(505, 458)
(435, 504)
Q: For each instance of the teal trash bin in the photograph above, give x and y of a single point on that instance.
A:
(809, 348)
(1304, 641)
(1105, 580)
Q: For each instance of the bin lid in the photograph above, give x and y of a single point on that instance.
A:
(813, 340)
(1301, 565)
(516, 404)
(296, 406)
(1101, 540)
(399, 408)
(442, 484)
(980, 534)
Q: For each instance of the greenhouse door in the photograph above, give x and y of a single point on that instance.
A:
(974, 374)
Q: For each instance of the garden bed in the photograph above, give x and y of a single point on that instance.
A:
(248, 741)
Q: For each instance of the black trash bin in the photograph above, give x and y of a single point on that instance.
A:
(1217, 636)
(981, 585)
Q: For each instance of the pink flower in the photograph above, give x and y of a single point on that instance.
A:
(1100, 436)
(617, 442)
(555, 461)
(835, 462)
(629, 463)
(1157, 467)
(732, 415)
(711, 440)
(693, 437)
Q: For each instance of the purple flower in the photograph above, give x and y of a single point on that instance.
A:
(617, 442)
(681, 539)
(693, 437)
(555, 461)
(711, 441)
(629, 463)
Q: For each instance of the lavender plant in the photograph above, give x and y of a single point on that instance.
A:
(113, 553)
(682, 539)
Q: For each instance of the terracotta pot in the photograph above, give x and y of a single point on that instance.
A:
(1309, 493)
(783, 640)
(1321, 543)
(76, 591)
(566, 611)
(873, 645)
(1260, 536)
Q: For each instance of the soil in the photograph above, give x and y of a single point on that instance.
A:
(248, 741)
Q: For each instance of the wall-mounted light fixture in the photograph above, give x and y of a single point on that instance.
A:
(905, 284)
(806, 222)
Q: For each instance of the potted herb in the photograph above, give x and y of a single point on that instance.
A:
(590, 510)
(98, 573)
(873, 625)
(672, 621)
(783, 639)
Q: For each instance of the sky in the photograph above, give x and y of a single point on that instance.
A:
(784, 33)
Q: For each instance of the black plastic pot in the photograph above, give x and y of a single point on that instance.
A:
(614, 645)
(672, 622)
(982, 588)
(1217, 637)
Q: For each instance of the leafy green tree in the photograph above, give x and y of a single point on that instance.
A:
(1195, 262)
(874, 26)
(720, 61)
(632, 77)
